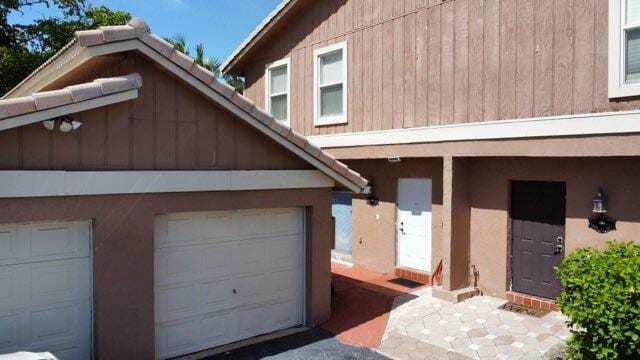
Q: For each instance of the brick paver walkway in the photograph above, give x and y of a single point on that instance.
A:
(425, 327)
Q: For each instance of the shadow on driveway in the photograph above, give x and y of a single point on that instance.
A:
(311, 344)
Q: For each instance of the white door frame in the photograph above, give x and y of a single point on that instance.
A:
(429, 229)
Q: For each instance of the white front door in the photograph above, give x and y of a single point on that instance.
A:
(225, 276)
(414, 224)
(45, 288)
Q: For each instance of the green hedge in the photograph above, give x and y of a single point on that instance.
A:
(601, 296)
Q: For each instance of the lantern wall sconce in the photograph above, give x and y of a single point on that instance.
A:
(600, 221)
(372, 199)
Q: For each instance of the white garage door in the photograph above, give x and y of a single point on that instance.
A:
(225, 276)
(45, 288)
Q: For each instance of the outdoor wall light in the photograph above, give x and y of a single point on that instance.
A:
(49, 124)
(600, 221)
(67, 124)
(372, 199)
(598, 204)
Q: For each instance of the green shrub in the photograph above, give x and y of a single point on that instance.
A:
(601, 296)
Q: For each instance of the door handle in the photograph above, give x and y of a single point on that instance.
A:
(234, 291)
(402, 230)
(559, 245)
(559, 248)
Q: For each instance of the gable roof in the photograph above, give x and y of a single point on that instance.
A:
(136, 36)
(257, 33)
(45, 105)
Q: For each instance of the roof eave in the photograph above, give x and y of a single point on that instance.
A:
(230, 64)
(70, 56)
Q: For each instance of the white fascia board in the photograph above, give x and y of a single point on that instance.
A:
(623, 122)
(41, 115)
(19, 184)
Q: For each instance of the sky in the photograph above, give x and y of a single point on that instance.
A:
(220, 25)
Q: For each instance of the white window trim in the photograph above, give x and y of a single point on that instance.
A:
(267, 93)
(332, 120)
(617, 86)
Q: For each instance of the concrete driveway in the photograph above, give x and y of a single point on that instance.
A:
(311, 344)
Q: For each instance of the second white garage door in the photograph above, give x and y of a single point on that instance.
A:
(225, 276)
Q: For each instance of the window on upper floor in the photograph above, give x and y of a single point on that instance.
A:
(277, 92)
(330, 85)
(624, 48)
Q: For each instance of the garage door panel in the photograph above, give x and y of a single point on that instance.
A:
(218, 294)
(284, 252)
(178, 338)
(252, 321)
(176, 265)
(285, 222)
(10, 246)
(58, 281)
(179, 301)
(250, 288)
(217, 260)
(250, 223)
(14, 294)
(218, 329)
(182, 230)
(188, 263)
(281, 315)
(25, 243)
(250, 256)
(9, 330)
(53, 323)
(283, 282)
(217, 226)
(59, 240)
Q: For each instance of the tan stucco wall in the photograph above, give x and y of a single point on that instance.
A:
(374, 240)
(123, 253)
(618, 177)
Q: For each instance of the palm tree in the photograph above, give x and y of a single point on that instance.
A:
(179, 43)
(211, 63)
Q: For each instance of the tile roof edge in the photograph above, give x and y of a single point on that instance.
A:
(68, 95)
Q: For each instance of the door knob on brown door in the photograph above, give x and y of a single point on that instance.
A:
(558, 249)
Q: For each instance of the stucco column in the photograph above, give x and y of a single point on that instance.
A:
(456, 217)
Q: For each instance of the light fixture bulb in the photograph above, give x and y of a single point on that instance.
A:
(76, 124)
(66, 126)
(49, 124)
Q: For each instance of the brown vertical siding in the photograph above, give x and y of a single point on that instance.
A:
(168, 127)
(431, 62)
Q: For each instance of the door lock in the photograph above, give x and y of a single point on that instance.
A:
(234, 291)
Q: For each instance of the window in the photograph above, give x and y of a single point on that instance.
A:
(278, 100)
(330, 85)
(624, 48)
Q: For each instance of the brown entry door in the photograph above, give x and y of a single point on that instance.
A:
(538, 220)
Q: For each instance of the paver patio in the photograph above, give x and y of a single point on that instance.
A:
(423, 327)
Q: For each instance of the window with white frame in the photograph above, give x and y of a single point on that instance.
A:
(624, 48)
(277, 92)
(330, 85)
